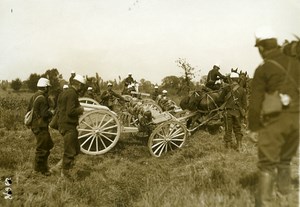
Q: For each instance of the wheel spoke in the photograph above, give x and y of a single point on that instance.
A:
(175, 144)
(161, 135)
(101, 127)
(101, 120)
(160, 145)
(162, 149)
(84, 135)
(97, 147)
(110, 133)
(85, 130)
(176, 131)
(110, 127)
(87, 124)
(106, 137)
(177, 135)
(158, 139)
(170, 145)
(103, 142)
(178, 140)
(87, 140)
(91, 143)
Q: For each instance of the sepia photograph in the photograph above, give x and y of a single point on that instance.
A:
(149, 103)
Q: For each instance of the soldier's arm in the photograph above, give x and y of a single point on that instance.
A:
(42, 104)
(257, 95)
(117, 95)
(72, 106)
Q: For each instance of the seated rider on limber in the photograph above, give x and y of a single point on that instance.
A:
(213, 76)
(108, 96)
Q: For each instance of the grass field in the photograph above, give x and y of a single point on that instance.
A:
(202, 173)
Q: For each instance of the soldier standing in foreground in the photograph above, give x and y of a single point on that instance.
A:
(69, 110)
(39, 126)
(278, 132)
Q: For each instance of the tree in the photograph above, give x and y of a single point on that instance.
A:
(188, 72)
(145, 86)
(16, 84)
(32, 81)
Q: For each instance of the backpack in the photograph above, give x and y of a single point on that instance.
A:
(29, 114)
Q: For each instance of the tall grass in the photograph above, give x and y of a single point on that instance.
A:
(202, 173)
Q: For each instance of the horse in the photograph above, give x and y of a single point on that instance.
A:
(206, 103)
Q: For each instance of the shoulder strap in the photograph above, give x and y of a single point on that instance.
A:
(284, 70)
(233, 90)
(35, 100)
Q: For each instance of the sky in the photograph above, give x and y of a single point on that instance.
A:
(143, 37)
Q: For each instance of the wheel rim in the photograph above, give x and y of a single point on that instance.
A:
(99, 131)
(168, 136)
(88, 101)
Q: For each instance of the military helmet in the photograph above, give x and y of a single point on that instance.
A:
(43, 82)
(264, 33)
(79, 78)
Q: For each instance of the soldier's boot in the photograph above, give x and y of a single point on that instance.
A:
(265, 189)
(283, 185)
(56, 168)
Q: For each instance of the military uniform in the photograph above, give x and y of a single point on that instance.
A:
(234, 108)
(39, 127)
(278, 134)
(129, 80)
(212, 77)
(69, 110)
(107, 98)
(155, 94)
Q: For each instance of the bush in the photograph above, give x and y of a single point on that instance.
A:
(16, 84)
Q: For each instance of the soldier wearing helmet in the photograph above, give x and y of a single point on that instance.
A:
(213, 76)
(234, 100)
(278, 137)
(73, 74)
(69, 110)
(89, 93)
(155, 93)
(129, 80)
(108, 97)
(39, 127)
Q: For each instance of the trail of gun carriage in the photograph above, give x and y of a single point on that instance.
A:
(145, 145)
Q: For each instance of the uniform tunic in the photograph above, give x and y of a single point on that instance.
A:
(278, 137)
(39, 127)
(69, 110)
(234, 104)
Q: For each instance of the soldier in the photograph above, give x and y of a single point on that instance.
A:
(72, 76)
(234, 97)
(89, 93)
(65, 87)
(213, 76)
(278, 132)
(129, 80)
(155, 93)
(39, 126)
(108, 96)
(69, 110)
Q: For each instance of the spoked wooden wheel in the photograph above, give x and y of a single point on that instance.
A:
(88, 101)
(166, 137)
(99, 131)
